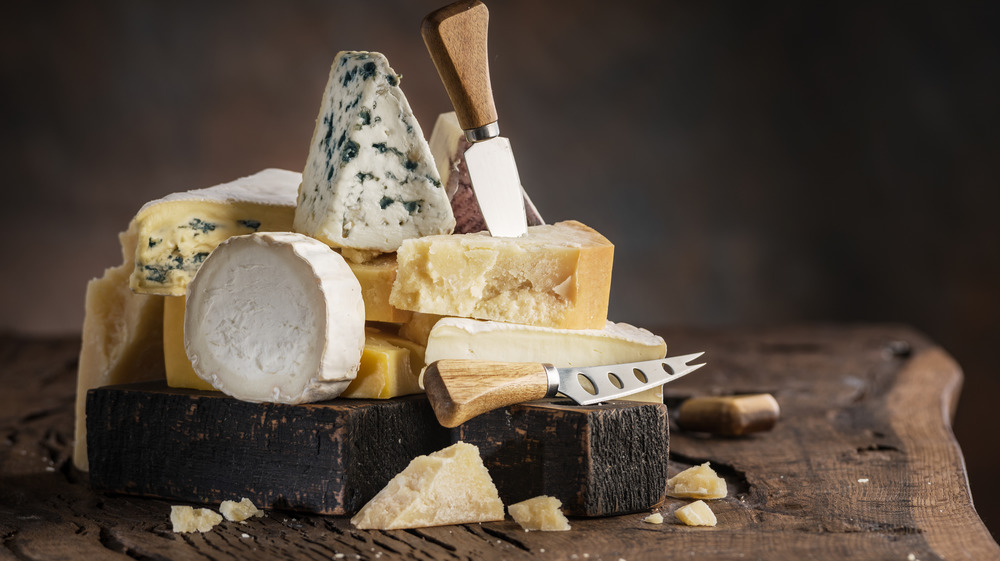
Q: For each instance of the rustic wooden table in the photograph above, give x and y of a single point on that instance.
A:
(862, 465)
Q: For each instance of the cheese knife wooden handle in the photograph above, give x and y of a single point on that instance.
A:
(455, 36)
(461, 389)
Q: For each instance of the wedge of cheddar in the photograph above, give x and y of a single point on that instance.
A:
(464, 338)
(122, 338)
(556, 275)
(450, 486)
(176, 233)
(390, 367)
(180, 373)
(369, 181)
(376, 277)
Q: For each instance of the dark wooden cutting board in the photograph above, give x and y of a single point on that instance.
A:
(151, 440)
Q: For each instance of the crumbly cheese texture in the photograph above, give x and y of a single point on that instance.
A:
(698, 482)
(376, 277)
(189, 519)
(176, 233)
(275, 317)
(448, 145)
(122, 338)
(390, 367)
(616, 343)
(539, 513)
(370, 180)
(556, 275)
(180, 373)
(450, 486)
(655, 518)
(240, 511)
(697, 513)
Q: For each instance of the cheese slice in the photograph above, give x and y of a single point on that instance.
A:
(450, 486)
(463, 338)
(275, 317)
(180, 373)
(539, 513)
(556, 275)
(376, 277)
(448, 145)
(176, 233)
(390, 367)
(122, 338)
(369, 181)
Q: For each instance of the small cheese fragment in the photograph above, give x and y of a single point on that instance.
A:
(556, 275)
(189, 519)
(450, 486)
(240, 511)
(539, 513)
(655, 518)
(376, 277)
(122, 338)
(697, 513)
(275, 317)
(390, 367)
(180, 373)
(698, 482)
(176, 233)
(448, 145)
(370, 181)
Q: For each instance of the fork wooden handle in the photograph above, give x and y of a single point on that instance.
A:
(461, 389)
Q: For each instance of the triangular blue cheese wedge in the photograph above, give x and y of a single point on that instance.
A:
(370, 181)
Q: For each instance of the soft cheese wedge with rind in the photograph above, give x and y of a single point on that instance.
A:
(122, 339)
(369, 181)
(176, 233)
(275, 317)
(464, 338)
(556, 275)
(450, 486)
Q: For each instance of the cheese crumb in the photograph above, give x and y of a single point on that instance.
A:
(188, 519)
(655, 518)
(699, 482)
(539, 513)
(239, 511)
(697, 513)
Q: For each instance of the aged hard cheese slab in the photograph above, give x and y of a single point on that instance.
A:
(333, 456)
(556, 275)
(369, 181)
(180, 373)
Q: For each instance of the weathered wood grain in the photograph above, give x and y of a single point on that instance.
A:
(862, 465)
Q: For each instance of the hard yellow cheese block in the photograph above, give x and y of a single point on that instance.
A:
(556, 275)
(390, 367)
(122, 339)
(180, 373)
(376, 277)
(450, 486)
(176, 233)
(463, 338)
(539, 513)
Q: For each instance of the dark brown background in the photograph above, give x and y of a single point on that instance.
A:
(754, 163)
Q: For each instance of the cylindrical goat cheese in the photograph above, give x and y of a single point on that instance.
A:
(275, 317)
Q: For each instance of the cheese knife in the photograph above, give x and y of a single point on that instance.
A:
(455, 36)
(460, 389)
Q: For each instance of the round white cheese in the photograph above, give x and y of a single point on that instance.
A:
(275, 316)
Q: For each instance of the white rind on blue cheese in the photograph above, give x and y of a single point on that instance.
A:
(275, 317)
(370, 181)
(176, 233)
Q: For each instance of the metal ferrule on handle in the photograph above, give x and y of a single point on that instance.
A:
(552, 375)
(485, 132)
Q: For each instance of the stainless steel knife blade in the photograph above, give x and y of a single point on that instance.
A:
(595, 384)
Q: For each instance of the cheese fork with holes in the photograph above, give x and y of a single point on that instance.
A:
(461, 389)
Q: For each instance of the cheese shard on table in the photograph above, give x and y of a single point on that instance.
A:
(189, 519)
(539, 513)
(698, 482)
(616, 343)
(448, 145)
(556, 275)
(697, 513)
(275, 317)
(370, 180)
(176, 233)
(376, 277)
(240, 511)
(180, 373)
(390, 367)
(450, 486)
(122, 338)
(655, 518)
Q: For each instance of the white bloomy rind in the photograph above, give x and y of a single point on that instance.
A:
(275, 317)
